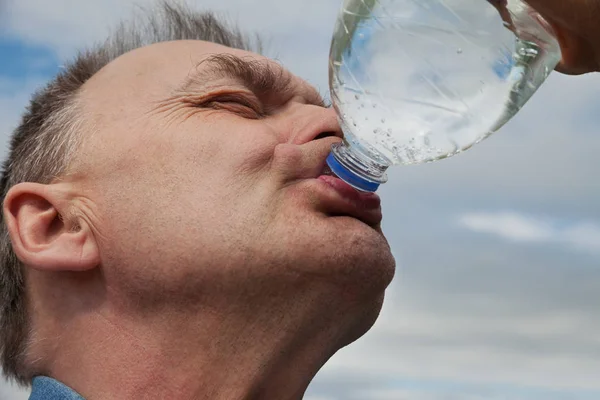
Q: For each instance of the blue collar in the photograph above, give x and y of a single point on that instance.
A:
(44, 388)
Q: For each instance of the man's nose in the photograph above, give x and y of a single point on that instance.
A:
(314, 122)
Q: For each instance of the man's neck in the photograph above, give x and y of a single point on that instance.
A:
(205, 354)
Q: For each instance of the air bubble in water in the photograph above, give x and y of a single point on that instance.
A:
(528, 52)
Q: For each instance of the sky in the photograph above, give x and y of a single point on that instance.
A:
(498, 287)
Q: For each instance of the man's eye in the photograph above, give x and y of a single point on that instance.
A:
(236, 104)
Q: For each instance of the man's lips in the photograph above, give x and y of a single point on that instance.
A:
(346, 200)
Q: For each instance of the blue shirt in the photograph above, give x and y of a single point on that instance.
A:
(44, 388)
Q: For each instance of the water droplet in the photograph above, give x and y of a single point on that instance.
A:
(426, 141)
(374, 105)
(356, 96)
(459, 51)
(383, 120)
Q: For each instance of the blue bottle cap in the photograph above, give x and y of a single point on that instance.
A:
(350, 177)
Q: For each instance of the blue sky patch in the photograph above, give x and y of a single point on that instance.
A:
(21, 60)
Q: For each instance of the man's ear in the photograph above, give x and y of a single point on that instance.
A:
(45, 234)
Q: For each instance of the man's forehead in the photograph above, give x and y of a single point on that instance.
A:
(168, 60)
(170, 63)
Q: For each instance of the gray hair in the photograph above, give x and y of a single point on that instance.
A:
(44, 144)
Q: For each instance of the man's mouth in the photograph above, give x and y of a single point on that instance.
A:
(343, 199)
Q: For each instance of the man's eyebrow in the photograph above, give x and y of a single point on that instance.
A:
(265, 79)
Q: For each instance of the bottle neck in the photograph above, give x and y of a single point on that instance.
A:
(356, 169)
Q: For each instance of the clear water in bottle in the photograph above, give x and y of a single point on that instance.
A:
(415, 81)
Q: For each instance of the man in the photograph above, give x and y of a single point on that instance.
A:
(171, 231)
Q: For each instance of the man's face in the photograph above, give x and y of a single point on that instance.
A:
(201, 176)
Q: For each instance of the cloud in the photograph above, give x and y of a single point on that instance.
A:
(446, 351)
(475, 318)
(517, 227)
(508, 225)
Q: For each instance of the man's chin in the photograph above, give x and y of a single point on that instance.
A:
(361, 259)
(359, 237)
(341, 250)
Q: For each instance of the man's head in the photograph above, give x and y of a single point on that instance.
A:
(173, 173)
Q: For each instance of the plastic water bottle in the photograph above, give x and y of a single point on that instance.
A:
(415, 81)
